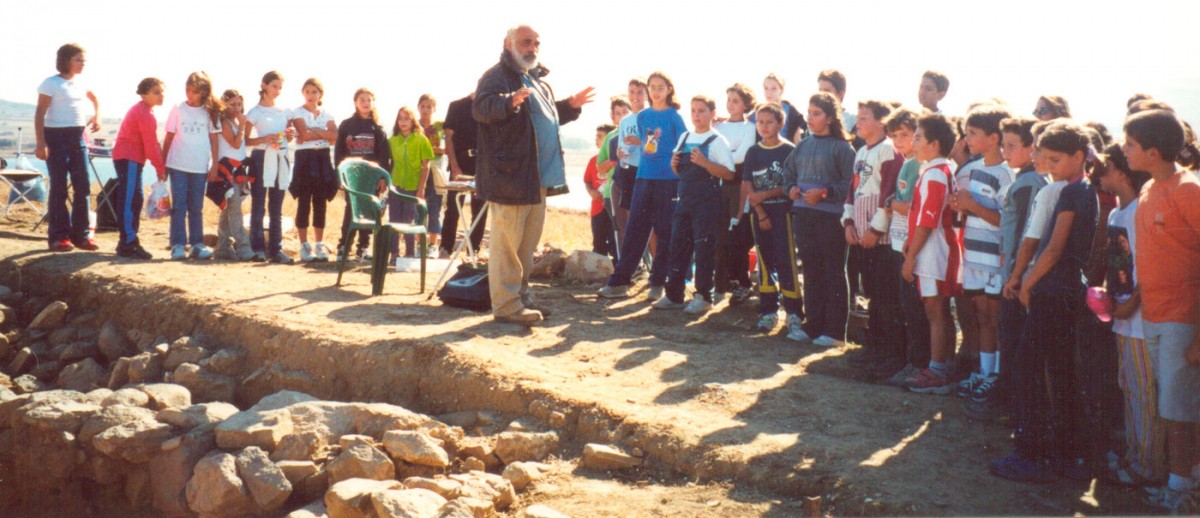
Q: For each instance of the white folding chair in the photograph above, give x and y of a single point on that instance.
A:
(12, 177)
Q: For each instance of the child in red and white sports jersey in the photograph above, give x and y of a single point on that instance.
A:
(933, 255)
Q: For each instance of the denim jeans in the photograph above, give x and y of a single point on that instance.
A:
(129, 200)
(651, 209)
(268, 200)
(187, 204)
(68, 160)
(694, 235)
(403, 211)
(433, 200)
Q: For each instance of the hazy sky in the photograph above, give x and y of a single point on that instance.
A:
(1094, 53)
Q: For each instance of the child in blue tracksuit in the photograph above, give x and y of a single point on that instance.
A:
(762, 187)
(702, 160)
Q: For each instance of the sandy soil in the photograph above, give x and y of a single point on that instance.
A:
(760, 421)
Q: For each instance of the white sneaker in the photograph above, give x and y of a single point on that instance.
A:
(666, 303)
(766, 323)
(306, 255)
(178, 253)
(698, 306)
(825, 341)
(794, 320)
(656, 292)
(796, 333)
(201, 252)
(614, 292)
(322, 253)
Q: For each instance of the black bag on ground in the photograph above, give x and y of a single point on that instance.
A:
(106, 205)
(467, 289)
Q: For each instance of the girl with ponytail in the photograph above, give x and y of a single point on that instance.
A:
(191, 158)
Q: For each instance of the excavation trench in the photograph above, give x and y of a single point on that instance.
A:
(427, 375)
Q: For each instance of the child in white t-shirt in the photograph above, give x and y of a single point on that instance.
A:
(191, 158)
(270, 170)
(702, 160)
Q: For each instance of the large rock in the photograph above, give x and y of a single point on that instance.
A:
(313, 510)
(61, 415)
(521, 474)
(297, 470)
(604, 457)
(205, 386)
(23, 362)
(263, 424)
(76, 351)
(134, 441)
(301, 446)
(183, 352)
(166, 395)
(83, 376)
(587, 266)
(216, 490)
(51, 317)
(62, 336)
(352, 498)
(542, 511)
(145, 368)
(267, 484)
(415, 448)
(486, 486)
(109, 417)
(361, 461)
(517, 446)
(128, 396)
(285, 413)
(28, 384)
(458, 508)
(406, 503)
(112, 342)
(482, 448)
(227, 362)
(120, 374)
(172, 468)
(443, 486)
(550, 264)
(196, 415)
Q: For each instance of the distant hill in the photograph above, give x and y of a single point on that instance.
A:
(15, 110)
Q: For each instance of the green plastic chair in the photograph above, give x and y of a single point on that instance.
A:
(360, 179)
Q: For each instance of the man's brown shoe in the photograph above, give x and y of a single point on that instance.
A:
(524, 317)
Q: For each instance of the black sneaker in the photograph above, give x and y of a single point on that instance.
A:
(986, 388)
(282, 258)
(134, 251)
(994, 410)
(740, 295)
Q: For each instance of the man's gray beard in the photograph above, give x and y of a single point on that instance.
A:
(520, 60)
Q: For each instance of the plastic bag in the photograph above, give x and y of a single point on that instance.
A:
(159, 204)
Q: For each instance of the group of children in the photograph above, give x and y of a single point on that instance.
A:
(215, 150)
(1014, 225)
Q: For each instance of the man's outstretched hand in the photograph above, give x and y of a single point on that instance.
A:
(586, 96)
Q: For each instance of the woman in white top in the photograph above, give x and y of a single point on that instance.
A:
(270, 170)
(58, 123)
(314, 182)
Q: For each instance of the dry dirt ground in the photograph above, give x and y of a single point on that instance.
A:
(748, 424)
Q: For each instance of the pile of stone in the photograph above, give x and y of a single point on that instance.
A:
(125, 420)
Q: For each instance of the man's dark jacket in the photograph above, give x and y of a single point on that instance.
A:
(506, 168)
